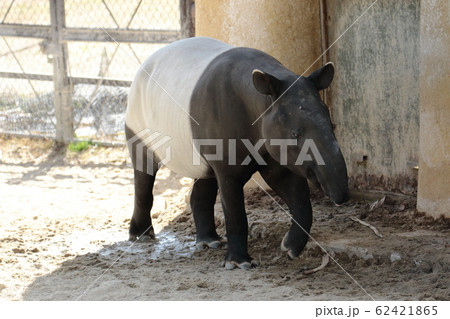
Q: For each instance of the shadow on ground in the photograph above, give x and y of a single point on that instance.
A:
(410, 261)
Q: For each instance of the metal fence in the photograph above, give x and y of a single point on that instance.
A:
(66, 65)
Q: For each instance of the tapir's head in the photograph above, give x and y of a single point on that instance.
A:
(298, 129)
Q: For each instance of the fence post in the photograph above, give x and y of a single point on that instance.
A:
(63, 88)
(187, 18)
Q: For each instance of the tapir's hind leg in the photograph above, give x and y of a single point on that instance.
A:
(144, 177)
(203, 198)
(141, 221)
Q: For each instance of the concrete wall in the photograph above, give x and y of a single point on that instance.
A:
(434, 173)
(375, 94)
(289, 30)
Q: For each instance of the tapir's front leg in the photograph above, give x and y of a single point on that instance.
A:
(203, 198)
(232, 197)
(294, 191)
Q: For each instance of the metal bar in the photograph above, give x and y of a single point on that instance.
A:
(27, 76)
(324, 29)
(324, 46)
(187, 18)
(63, 88)
(94, 80)
(91, 35)
(27, 31)
(119, 35)
(73, 79)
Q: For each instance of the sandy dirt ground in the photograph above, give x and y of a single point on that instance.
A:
(64, 228)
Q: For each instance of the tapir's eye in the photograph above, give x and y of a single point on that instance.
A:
(295, 134)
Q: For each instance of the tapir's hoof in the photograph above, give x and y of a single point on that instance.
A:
(211, 243)
(290, 251)
(144, 238)
(229, 265)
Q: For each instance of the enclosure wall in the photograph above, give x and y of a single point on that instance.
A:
(375, 93)
(434, 174)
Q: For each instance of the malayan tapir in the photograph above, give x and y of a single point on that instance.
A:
(250, 114)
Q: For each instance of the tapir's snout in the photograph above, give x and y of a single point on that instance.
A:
(336, 188)
(339, 195)
(333, 178)
(341, 198)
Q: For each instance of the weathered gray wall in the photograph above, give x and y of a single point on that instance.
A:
(375, 94)
(433, 195)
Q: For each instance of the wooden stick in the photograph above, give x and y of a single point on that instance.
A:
(368, 225)
(377, 204)
(325, 261)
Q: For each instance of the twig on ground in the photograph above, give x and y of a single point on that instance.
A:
(377, 203)
(325, 261)
(367, 224)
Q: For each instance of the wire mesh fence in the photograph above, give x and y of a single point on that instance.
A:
(97, 44)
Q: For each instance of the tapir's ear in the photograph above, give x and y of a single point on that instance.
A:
(322, 77)
(265, 83)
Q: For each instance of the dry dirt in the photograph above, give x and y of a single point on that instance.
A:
(64, 224)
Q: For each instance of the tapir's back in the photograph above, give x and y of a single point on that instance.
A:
(159, 100)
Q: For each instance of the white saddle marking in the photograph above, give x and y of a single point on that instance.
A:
(160, 95)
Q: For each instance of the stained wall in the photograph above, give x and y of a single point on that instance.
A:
(375, 94)
(434, 152)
